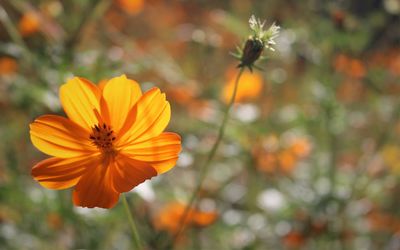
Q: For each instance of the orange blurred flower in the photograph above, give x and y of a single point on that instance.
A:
(394, 61)
(388, 59)
(131, 6)
(112, 141)
(349, 66)
(381, 221)
(170, 217)
(249, 88)
(391, 157)
(29, 24)
(300, 147)
(272, 157)
(182, 94)
(267, 162)
(294, 239)
(188, 98)
(286, 160)
(8, 65)
(356, 69)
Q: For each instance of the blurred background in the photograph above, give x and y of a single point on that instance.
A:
(311, 155)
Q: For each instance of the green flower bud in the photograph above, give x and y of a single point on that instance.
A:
(256, 43)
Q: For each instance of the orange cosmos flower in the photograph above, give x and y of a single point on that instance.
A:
(273, 157)
(29, 24)
(249, 88)
(170, 217)
(391, 157)
(8, 66)
(286, 161)
(294, 239)
(349, 66)
(379, 220)
(300, 147)
(112, 141)
(131, 6)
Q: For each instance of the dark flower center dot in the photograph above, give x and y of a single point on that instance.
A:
(103, 137)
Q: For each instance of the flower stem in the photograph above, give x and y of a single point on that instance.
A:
(204, 168)
(14, 34)
(135, 234)
(94, 10)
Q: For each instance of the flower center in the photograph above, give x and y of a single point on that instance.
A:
(103, 137)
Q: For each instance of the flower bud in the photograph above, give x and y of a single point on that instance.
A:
(251, 52)
(256, 43)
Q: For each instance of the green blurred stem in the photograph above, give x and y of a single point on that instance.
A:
(204, 168)
(332, 145)
(135, 233)
(93, 10)
(14, 34)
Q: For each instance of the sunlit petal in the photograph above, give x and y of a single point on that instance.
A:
(152, 114)
(161, 151)
(57, 136)
(128, 173)
(58, 173)
(120, 94)
(95, 189)
(79, 97)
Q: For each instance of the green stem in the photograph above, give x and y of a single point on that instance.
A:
(28, 55)
(14, 34)
(332, 159)
(93, 10)
(135, 233)
(332, 147)
(204, 168)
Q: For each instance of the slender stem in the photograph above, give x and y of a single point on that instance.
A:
(135, 233)
(331, 145)
(332, 158)
(14, 34)
(93, 10)
(28, 55)
(204, 168)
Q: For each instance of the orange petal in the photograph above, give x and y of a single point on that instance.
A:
(164, 166)
(120, 94)
(204, 218)
(161, 151)
(152, 114)
(57, 136)
(94, 189)
(169, 217)
(58, 173)
(79, 97)
(128, 173)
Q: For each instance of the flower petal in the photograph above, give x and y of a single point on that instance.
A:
(79, 97)
(120, 94)
(164, 166)
(152, 114)
(58, 173)
(128, 173)
(95, 189)
(57, 136)
(161, 151)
